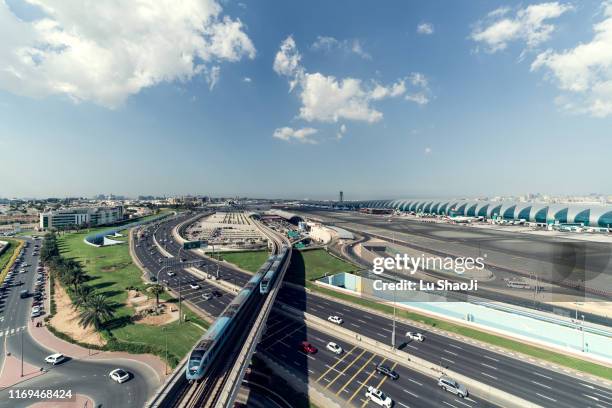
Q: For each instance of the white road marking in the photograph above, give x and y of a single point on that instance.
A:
(488, 375)
(489, 366)
(491, 358)
(455, 346)
(414, 381)
(450, 352)
(548, 398)
(411, 393)
(446, 359)
(541, 385)
(542, 375)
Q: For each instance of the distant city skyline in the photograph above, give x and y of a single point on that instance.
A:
(302, 100)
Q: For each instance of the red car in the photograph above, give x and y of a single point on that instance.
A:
(308, 348)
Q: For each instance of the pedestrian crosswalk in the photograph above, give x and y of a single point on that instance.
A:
(9, 332)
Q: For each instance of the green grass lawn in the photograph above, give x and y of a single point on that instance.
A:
(112, 271)
(249, 260)
(313, 264)
(5, 258)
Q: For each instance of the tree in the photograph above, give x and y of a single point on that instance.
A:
(156, 290)
(82, 296)
(74, 275)
(96, 311)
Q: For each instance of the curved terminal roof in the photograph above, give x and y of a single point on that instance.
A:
(589, 215)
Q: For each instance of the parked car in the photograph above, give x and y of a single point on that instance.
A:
(194, 286)
(207, 296)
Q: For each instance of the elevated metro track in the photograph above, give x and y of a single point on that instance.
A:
(220, 385)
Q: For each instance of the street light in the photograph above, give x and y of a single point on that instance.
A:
(582, 332)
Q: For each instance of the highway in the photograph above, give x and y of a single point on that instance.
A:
(81, 376)
(531, 382)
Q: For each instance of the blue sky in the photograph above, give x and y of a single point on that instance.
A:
(486, 98)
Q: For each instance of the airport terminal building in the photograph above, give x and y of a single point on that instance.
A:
(587, 215)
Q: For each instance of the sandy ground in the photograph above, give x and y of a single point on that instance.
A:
(66, 320)
(141, 302)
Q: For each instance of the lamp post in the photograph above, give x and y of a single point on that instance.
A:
(582, 332)
(393, 332)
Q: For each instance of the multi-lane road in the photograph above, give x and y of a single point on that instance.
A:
(80, 376)
(532, 382)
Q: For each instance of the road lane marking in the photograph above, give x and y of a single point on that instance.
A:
(381, 382)
(449, 404)
(337, 362)
(542, 375)
(488, 375)
(346, 368)
(415, 381)
(446, 359)
(491, 358)
(411, 393)
(357, 373)
(489, 366)
(450, 352)
(541, 385)
(544, 396)
(455, 346)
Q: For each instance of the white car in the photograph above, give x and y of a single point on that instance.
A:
(334, 347)
(171, 273)
(119, 375)
(335, 319)
(194, 286)
(378, 397)
(35, 312)
(415, 336)
(55, 358)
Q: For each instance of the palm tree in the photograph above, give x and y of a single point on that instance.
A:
(156, 290)
(75, 277)
(82, 296)
(96, 311)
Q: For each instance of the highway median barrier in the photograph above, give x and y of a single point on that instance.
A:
(423, 366)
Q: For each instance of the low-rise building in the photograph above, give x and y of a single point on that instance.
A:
(79, 216)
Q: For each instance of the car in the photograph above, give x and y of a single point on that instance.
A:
(335, 319)
(119, 375)
(55, 359)
(216, 293)
(384, 370)
(194, 286)
(334, 347)
(207, 296)
(308, 348)
(452, 386)
(378, 397)
(171, 274)
(24, 294)
(36, 311)
(415, 336)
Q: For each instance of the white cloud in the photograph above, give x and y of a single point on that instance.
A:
(106, 51)
(425, 28)
(328, 44)
(341, 132)
(427, 150)
(329, 99)
(301, 135)
(287, 62)
(585, 71)
(528, 25)
(418, 97)
(247, 79)
(212, 77)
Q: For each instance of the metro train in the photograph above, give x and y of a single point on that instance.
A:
(270, 276)
(216, 336)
